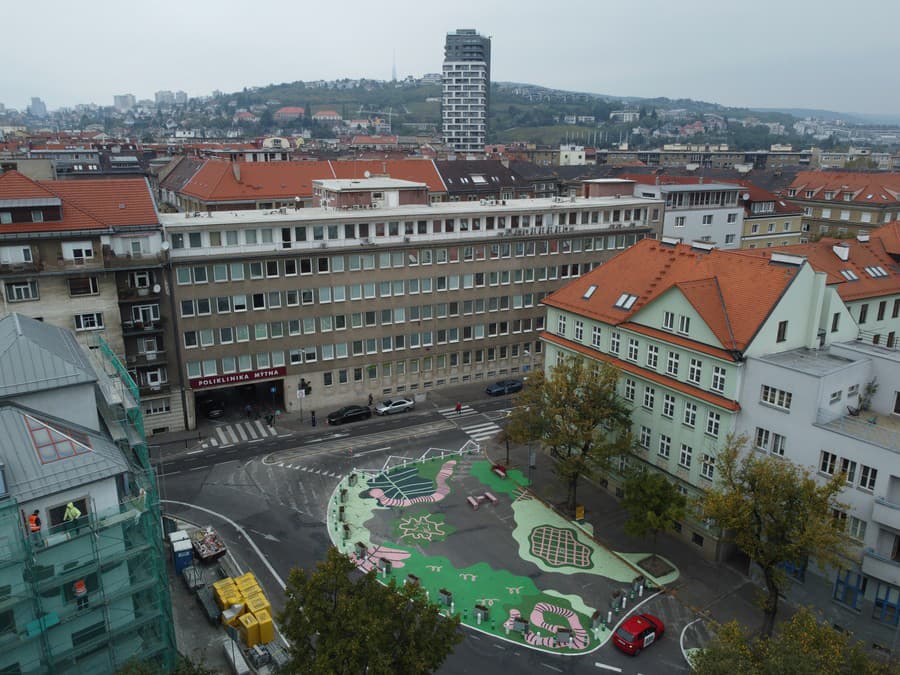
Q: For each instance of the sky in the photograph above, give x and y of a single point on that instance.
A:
(765, 53)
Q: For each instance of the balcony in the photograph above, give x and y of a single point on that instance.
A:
(127, 293)
(881, 567)
(146, 358)
(135, 328)
(886, 513)
(21, 267)
(865, 425)
(113, 260)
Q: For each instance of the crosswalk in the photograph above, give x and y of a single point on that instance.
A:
(238, 432)
(309, 469)
(477, 432)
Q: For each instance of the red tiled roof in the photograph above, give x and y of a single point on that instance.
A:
(633, 368)
(823, 258)
(733, 293)
(86, 204)
(291, 110)
(889, 234)
(866, 188)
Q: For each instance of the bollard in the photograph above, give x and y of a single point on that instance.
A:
(478, 618)
(624, 602)
(609, 619)
(641, 591)
(506, 627)
(451, 607)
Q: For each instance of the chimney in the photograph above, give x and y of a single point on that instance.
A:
(862, 238)
(842, 251)
(236, 170)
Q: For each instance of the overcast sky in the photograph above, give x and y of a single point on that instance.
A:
(765, 53)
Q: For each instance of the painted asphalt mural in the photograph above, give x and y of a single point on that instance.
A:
(484, 547)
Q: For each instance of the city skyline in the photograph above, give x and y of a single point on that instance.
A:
(767, 56)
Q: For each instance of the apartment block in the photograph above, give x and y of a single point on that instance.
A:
(466, 90)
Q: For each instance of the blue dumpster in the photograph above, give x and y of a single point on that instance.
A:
(183, 554)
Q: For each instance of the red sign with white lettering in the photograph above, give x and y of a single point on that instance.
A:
(247, 377)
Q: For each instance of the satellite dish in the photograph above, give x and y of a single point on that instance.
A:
(164, 246)
(745, 196)
(157, 288)
(366, 174)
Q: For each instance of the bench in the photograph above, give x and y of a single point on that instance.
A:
(472, 502)
(499, 470)
(491, 498)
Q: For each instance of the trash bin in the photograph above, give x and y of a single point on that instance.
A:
(183, 555)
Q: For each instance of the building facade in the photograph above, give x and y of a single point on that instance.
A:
(342, 302)
(85, 581)
(466, 90)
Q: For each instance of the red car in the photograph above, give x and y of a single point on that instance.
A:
(638, 632)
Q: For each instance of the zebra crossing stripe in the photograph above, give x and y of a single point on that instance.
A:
(250, 431)
(262, 429)
(231, 434)
(480, 427)
(240, 431)
(213, 442)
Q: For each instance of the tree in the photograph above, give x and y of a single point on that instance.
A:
(184, 666)
(802, 646)
(577, 413)
(340, 621)
(653, 505)
(775, 512)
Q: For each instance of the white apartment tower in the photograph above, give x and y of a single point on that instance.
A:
(467, 83)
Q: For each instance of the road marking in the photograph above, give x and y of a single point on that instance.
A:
(195, 452)
(612, 668)
(547, 665)
(369, 452)
(256, 440)
(285, 435)
(231, 434)
(499, 647)
(681, 639)
(250, 430)
(290, 466)
(197, 468)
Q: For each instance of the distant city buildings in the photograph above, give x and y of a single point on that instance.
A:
(467, 82)
(123, 102)
(164, 97)
(37, 108)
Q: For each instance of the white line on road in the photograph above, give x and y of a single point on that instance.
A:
(681, 639)
(240, 529)
(285, 435)
(256, 440)
(197, 468)
(612, 668)
(499, 647)
(369, 452)
(195, 452)
(547, 665)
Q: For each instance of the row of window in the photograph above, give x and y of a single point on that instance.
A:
(881, 311)
(652, 352)
(770, 228)
(689, 409)
(707, 219)
(395, 228)
(262, 360)
(861, 476)
(685, 453)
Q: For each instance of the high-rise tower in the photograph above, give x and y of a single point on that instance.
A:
(467, 84)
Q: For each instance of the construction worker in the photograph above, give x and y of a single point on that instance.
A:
(79, 589)
(34, 522)
(71, 516)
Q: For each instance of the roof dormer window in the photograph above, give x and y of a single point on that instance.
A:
(809, 194)
(626, 301)
(829, 194)
(848, 196)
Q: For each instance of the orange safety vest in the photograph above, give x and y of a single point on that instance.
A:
(80, 588)
(34, 523)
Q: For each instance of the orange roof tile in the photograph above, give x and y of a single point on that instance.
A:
(860, 255)
(865, 188)
(733, 293)
(633, 368)
(889, 234)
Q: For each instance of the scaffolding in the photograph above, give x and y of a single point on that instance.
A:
(117, 554)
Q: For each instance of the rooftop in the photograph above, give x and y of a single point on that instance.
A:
(350, 184)
(817, 363)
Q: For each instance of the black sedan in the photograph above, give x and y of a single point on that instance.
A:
(212, 408)
(504, 387)
(349, 413)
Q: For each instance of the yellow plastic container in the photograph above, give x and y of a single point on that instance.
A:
(227, 582)
(266, 628)
(249, 591)
(245, 580)
(249, 628)
(258, 603)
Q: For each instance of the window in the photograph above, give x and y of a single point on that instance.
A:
(579, 330)
(90, 321)
(629, 389)
(685, 456)
(856, 528)
(708, 219)
(695, 371)
(827, 462)
(732, 218)
(561, 325)
(672, 364)
(708, 467)
(652, 356)
(83, 286)
(649, 397)
(867, 476)
(614, 342)
(690, 414)
(718, 379)
(761, 439)
(668, 406)
(19, 291)
(632, 349)
(679, 221)
(684, 324)
(669, 321)
(778, 443)
(782, 331)
(645, 437)
(595, 337)
(665, 446)
(713, 420)
(863, 313)
(775, 397)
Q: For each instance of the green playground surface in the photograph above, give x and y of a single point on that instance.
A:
(511, 566)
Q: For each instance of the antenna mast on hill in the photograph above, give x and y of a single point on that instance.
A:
(394, 67)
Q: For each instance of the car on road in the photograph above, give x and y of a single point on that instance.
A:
(349, 413)
(394, 405)
(504, 387)
(638, 632)
(212, 408)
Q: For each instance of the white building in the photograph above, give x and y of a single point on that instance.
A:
(466, 89)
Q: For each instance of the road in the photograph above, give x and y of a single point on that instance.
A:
(273, 491)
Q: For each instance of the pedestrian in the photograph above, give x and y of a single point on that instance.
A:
(370, 400)
(71, 516)
(312, 417)
(458, 408)
(248, 409)
(34, 522)
(79, 590)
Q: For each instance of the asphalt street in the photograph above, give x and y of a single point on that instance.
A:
(267, 497)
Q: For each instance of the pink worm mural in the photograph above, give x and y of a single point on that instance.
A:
(579, 635)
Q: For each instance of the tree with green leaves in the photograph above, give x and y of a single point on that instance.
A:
(653, 504)
(338, 620)
(576, 412)
(183, 666)
(802, 646)
(776, 513)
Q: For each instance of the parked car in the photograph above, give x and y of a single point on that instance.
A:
(349, 413)
(638, 632)
(394, 405)
(212, 408)
(504, 387)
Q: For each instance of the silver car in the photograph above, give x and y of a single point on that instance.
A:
(394, 405)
